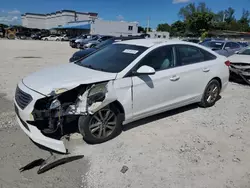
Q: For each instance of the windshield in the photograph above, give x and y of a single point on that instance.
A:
(104, 43)
(213, 44)
(245, 52)
(113, 58)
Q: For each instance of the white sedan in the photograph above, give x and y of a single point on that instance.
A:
(121, 83)
(52, 38)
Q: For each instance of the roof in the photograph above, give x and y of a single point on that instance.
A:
(151, 42)
(143, 42)
(72, 11)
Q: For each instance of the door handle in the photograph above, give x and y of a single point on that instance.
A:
(205, 69)
(174, 78)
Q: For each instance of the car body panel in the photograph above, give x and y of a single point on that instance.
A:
(70, 74)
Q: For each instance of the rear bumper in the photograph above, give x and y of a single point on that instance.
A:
(22, 116)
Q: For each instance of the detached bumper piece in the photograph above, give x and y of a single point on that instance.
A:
(52, 161)
(240, 71)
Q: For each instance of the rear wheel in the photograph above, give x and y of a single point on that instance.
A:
(211, 94)
(101, 126)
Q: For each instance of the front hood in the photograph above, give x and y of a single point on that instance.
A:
(64, 76)
(237, 58)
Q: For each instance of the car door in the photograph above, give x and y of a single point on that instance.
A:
(194, 67)
(156, 93)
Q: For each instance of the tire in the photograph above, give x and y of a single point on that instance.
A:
(46, 39)
(211, 94)
(57, 39)
(78, 45)
(85, 128)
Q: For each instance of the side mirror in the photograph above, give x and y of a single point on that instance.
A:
(145, 70)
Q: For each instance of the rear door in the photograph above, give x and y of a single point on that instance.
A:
(195, 67)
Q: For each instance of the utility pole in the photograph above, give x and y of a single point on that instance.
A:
(148, 24)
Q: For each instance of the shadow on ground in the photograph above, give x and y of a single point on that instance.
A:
(159, 116)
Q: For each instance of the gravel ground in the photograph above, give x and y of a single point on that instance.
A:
(188, 147)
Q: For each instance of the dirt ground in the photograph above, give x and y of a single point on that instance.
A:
(187, 147)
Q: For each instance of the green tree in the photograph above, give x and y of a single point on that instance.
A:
(187, 11)
(200, 22)
(229, 15)
(141, 29)
(164, 27)
(178, 28)
(243, 22)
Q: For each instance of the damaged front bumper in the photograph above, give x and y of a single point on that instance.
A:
(41, 116)
(25, 115)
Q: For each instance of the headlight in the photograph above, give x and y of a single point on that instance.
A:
(97, 92)
(55, 104)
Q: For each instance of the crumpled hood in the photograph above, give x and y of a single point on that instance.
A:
(66, 76)
(237, 58)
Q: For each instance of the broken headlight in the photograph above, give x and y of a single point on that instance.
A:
(55, 104)
(97, 93)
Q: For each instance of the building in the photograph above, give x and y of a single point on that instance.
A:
(159, 34)
(54, 19)
(102, 27)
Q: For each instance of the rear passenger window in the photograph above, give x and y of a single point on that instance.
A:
(235, 45)
(208, 56)
(190, 54)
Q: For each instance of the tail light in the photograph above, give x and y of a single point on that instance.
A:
(227, 63)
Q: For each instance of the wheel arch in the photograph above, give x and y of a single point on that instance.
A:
(120, 108)
(218, 79)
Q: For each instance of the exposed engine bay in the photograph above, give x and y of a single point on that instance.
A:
(63, 106)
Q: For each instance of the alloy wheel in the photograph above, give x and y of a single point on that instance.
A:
(212, 93)
(103, 123)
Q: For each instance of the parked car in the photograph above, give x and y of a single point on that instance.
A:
(121, 83)
(225, 48)
(82, 41)
(52, 38)
(194, 40)
(92, 43)
(240, 65)
(65, 37)
(243, 43)
(37, 36)
(84, 52)
(211, 39)
(72, 42)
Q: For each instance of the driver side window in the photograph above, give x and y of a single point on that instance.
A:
(160, 58)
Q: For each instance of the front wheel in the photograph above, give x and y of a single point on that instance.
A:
(78, 45)
(211, 94)
(101, 126)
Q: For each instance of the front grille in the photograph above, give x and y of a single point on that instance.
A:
(22, 98)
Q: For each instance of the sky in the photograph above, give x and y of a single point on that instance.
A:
(158, 11)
